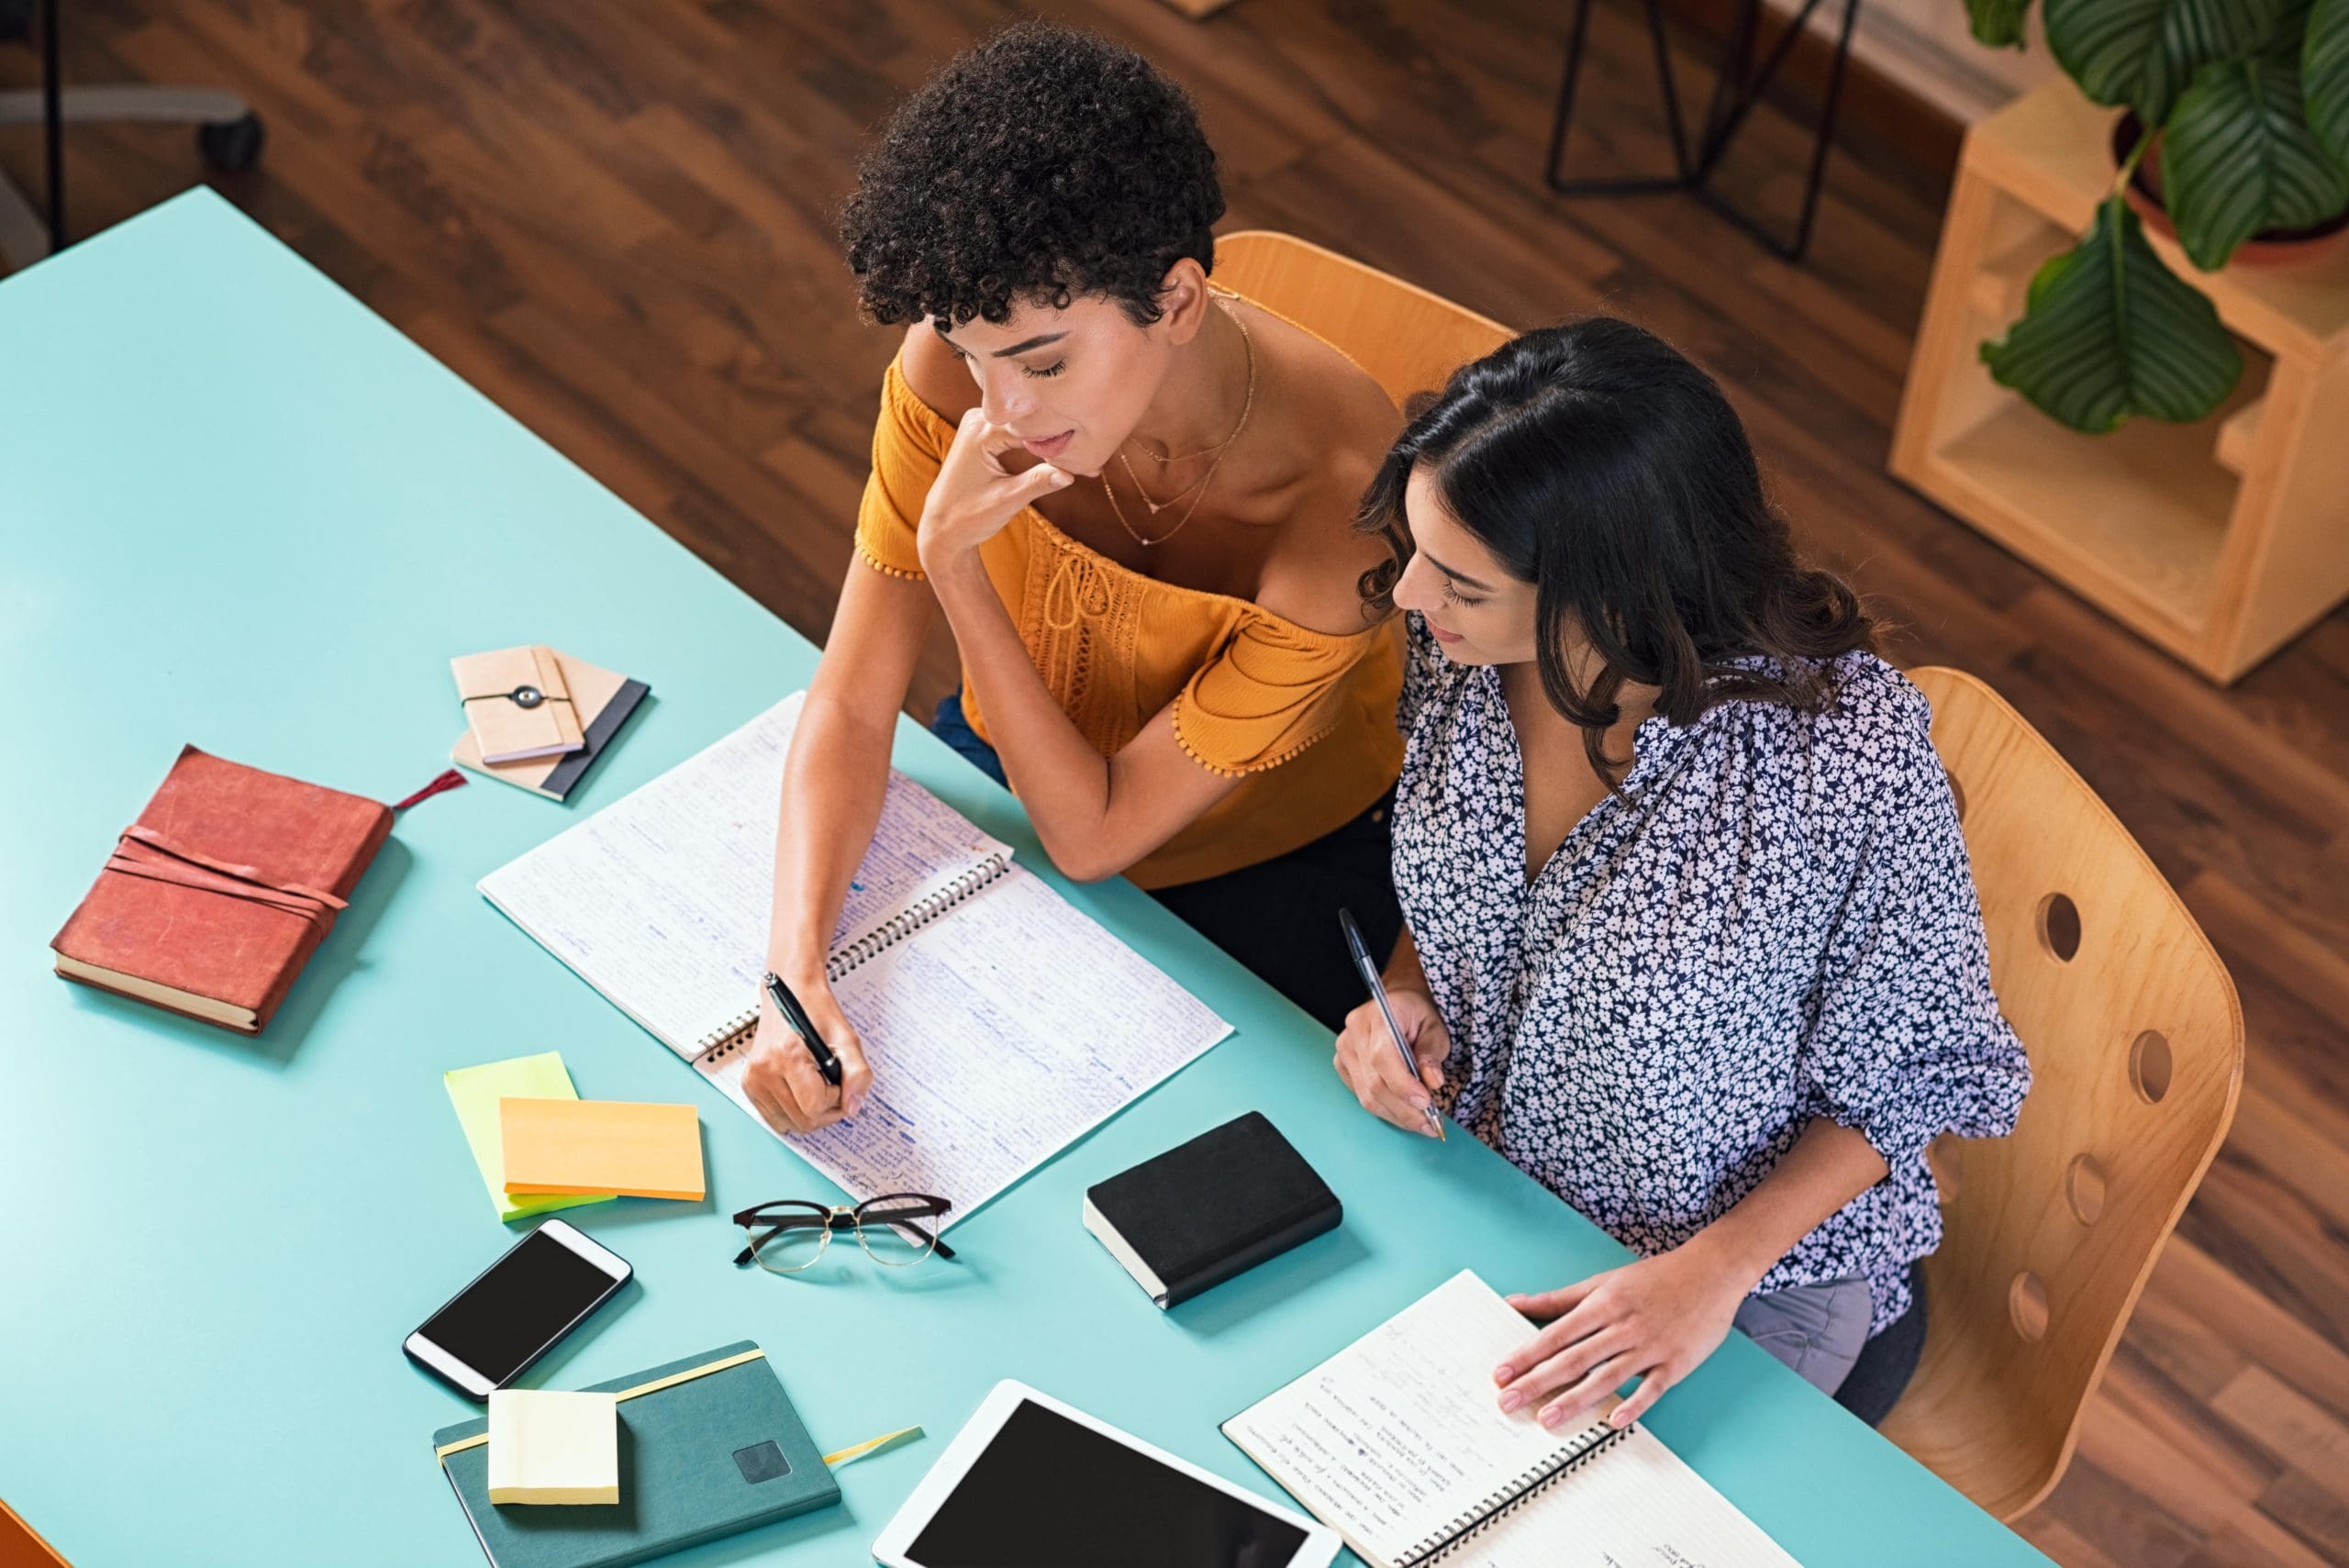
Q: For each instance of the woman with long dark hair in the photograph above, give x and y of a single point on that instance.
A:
(1690, 934)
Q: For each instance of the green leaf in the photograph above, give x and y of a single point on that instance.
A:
(2144, 53)
(2109, 333)
(2238, 158)
(2324, 74)
(1998, 23)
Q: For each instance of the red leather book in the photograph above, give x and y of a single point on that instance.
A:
(216, 897)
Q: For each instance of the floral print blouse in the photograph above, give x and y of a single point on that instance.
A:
(1775, 921)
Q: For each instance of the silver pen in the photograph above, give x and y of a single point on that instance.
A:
(1360, 950)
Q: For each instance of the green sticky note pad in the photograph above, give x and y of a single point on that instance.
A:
(476, 1090)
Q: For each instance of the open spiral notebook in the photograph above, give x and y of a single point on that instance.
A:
(1398, 1442)
(1001, 1022)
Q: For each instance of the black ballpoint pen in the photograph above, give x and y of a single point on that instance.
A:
(805, 1028)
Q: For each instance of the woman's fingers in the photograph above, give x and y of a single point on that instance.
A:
(856, 1076)
(1031, 485)
(1547, 1304)
(1574, 1405)
(1644, 1396)
(1547, 1378)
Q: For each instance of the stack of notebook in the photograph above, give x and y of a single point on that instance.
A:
(599, 700)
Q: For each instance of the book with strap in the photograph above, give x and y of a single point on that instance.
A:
(1001, 1022)
(1399, 1444)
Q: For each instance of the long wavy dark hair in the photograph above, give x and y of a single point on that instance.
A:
(1597, 465)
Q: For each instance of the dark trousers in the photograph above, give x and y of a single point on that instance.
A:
(1279, 917)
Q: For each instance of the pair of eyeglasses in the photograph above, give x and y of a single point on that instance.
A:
(895, 1228)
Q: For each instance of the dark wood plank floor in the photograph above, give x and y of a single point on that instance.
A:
(614, 216)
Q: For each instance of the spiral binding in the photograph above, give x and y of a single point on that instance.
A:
(736, 1032)
(1439, 1543)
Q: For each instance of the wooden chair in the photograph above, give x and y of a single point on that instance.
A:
(2135, 1038)
(1408, 339)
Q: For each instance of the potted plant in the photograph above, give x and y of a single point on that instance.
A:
(2245, 103)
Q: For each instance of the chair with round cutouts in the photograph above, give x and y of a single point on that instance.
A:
(2135, 1038)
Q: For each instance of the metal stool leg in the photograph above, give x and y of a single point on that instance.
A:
(1735, 91)
(1683, 171)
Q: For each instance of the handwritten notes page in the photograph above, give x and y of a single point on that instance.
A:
(661, 900)
(998, 1032)
(997, 1037)
(1398, 1439)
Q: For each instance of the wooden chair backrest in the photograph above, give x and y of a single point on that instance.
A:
(1407, 338)
(2136, 1052)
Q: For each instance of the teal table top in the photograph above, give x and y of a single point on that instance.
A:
(239, 510)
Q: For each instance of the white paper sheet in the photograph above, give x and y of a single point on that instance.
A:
(996, 1037)
(661, 900)
(1400, 1436)
(998, 1033)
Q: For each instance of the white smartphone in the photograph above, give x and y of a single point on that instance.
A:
(517, 1310)
(1032, 1481)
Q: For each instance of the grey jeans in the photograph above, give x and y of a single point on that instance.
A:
(1817, 1330)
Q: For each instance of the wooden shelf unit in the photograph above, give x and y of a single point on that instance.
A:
(2219, 541)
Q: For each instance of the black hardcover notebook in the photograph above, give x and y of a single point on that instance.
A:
(1211, 1208)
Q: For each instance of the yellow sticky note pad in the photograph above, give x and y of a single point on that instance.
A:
(601, 1146)
(476, 1090)
(546, 1447)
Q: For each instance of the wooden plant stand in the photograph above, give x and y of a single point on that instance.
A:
(2219, 541)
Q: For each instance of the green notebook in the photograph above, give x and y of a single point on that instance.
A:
(718, 1449)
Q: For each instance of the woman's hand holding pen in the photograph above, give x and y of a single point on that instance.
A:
(781, 1077)
(1368, 1060)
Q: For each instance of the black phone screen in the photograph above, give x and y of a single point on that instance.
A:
(518, 1307)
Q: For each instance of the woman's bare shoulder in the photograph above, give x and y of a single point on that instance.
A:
(1341, 424)
(934, 373)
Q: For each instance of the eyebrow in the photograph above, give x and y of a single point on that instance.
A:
(1459, 577)
(1015, 349)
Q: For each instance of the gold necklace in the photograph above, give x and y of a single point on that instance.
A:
(1247, 406)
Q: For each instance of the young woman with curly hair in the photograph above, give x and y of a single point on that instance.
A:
(1692, 938)
(1132, 494)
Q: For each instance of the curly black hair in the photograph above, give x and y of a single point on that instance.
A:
(1043, 164)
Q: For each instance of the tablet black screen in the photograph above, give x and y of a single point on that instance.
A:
(1050, 1493)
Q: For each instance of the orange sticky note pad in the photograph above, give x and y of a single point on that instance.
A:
(600, 1146)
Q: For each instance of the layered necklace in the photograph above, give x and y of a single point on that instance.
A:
(1197, 490)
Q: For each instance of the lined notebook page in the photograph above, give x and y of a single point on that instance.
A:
(996, 1037)
(1005, 1028)
(1399, 1439)
(661, 900)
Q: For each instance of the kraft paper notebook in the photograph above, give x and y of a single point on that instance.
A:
(709, 1445)
(517, 704)
(602, 699)
(1001, 1022)
(1398, 1442)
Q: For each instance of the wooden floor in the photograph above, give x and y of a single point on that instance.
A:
(614, 216)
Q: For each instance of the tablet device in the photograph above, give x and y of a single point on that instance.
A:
(1031, 1481)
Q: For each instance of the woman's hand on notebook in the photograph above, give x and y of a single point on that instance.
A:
(1371, 1066)
(1656, 1319)
(779, 1077)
